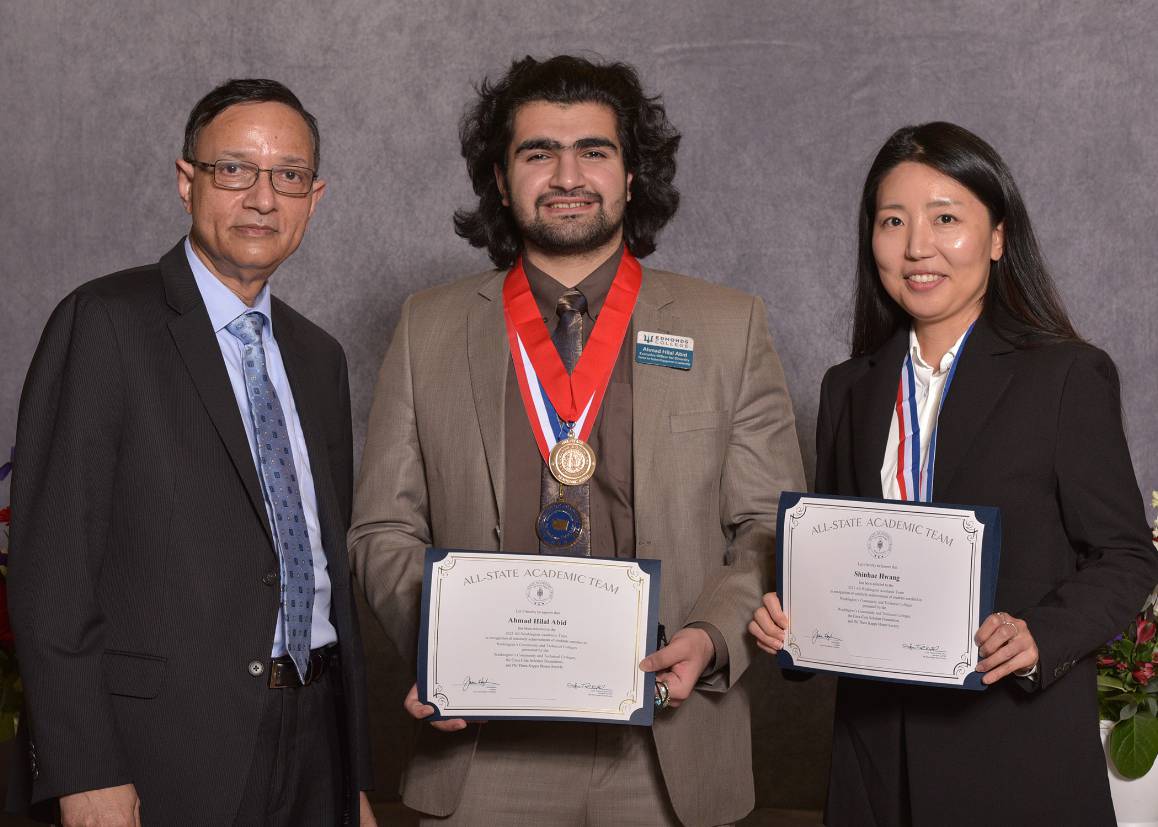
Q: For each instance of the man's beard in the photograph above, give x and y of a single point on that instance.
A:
(573, 236)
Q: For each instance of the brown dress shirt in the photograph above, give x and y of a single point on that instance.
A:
(612, 511)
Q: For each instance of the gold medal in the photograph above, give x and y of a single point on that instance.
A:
(572, 461)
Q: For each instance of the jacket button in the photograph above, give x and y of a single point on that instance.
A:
(269, 578)
(256, 668)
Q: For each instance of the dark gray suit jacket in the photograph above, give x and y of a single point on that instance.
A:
(143, 574)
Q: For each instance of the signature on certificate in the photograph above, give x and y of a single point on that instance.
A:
(825, 639)
(592, 687)
(481, 683)
(924, 647)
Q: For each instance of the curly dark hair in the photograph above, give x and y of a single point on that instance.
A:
(649, 144)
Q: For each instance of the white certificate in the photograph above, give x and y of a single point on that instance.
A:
(886, 589)
(537, 637)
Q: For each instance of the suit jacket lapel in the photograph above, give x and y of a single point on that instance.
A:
(488, 355)
(302, 383)
(981, 379)
(873, 403)
(654, 311)
(193, 335)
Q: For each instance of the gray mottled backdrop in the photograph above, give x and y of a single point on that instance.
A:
(782, 106)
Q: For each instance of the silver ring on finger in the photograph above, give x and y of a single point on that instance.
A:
(662, 695)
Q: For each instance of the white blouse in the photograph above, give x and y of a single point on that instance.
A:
(929, 385)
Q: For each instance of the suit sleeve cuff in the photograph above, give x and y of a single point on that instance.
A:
(720, 660)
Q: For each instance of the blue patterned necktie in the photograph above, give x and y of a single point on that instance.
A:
(280, 480)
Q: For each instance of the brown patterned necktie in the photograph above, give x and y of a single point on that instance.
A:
(568, 340)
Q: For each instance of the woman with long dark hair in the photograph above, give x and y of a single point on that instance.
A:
(950, 277)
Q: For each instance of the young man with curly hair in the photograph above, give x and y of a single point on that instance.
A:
(573, 165)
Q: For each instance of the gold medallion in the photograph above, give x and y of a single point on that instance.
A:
(572, 461)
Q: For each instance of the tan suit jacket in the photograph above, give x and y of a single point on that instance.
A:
(713, 448)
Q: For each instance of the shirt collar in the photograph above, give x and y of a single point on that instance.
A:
(221, 302)
(946, 360)
(594, 287)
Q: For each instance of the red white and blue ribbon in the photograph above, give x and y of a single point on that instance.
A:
(549, 425)
(914, 478)
(559, 404)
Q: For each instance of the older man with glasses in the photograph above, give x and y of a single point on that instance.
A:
(179, 587)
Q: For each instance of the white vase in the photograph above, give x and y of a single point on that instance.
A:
(1135, 800)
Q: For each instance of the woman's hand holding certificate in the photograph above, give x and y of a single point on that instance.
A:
(889, 590)
(1007, 646)
(1004, 641)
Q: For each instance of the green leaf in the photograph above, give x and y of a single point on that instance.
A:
(1134, 745)
(1106, 682)
(1122, 696)
(1128, 711)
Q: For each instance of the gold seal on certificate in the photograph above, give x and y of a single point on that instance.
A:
(572, 461)
(885, 589)
(537, 637)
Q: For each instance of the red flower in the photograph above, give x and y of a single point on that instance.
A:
(6, 515)
(1143, 674)
(1145, 630)
(1105, 661)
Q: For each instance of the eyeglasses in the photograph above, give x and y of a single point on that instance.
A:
(241, 175)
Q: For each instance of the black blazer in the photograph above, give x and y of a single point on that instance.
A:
(143, 581)
(1036, 431)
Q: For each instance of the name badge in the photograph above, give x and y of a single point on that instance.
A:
(664, 350)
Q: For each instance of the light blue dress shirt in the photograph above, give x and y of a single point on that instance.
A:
(224, 306)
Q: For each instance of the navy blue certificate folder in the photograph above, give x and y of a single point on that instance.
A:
(878, 534)
(534, 617)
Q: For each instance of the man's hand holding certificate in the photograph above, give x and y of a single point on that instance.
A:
(883, 589)
(537, 637)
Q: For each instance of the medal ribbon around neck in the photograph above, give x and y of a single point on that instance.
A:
(558, 404)
(914, 481)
